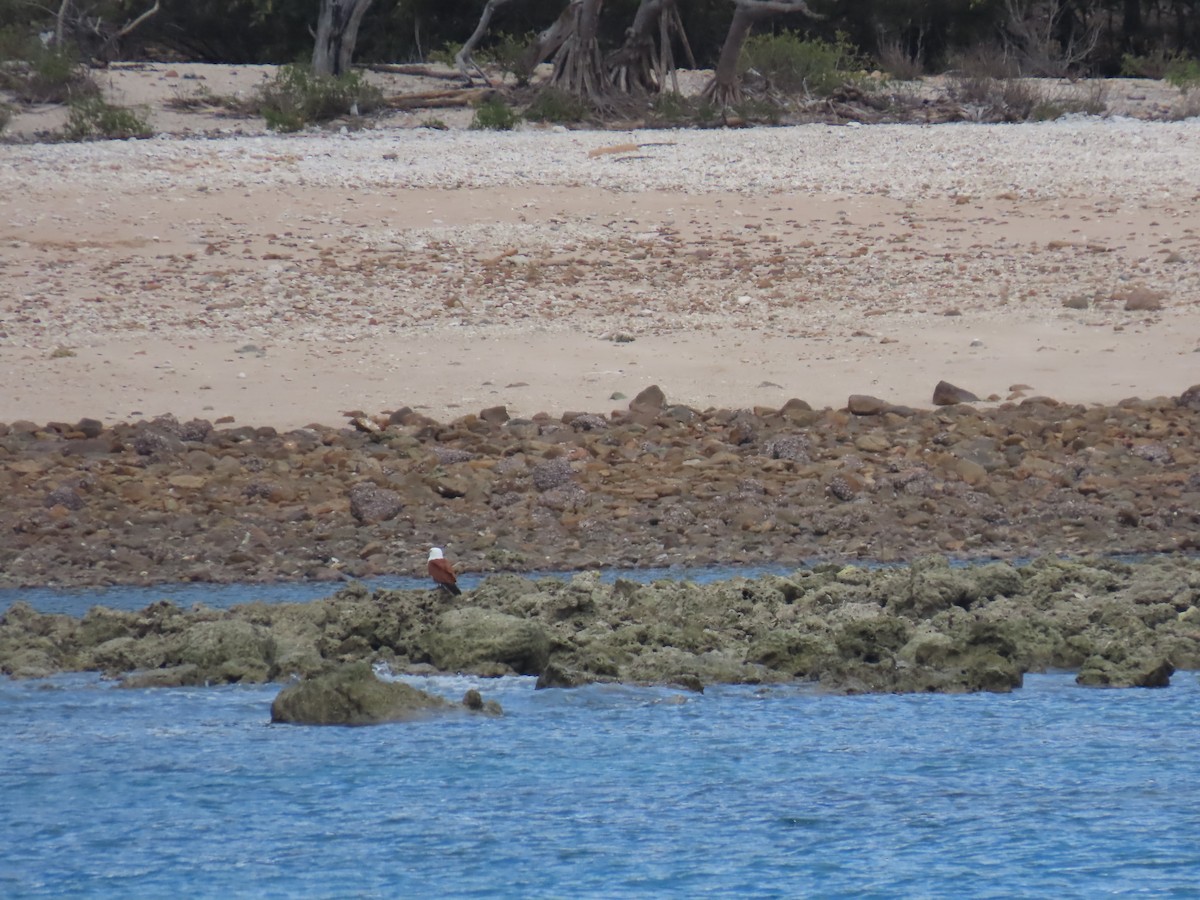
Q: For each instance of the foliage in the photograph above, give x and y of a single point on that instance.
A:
(39, 74)
(794, 64)
(1149, 65)
(296, 97)
(1023, 100)
(93, 117)
(555, 105)
(671, 109)
(984, 62)
(511, 54)
(445, 54)
(899, 63)
(493, 114)
(1183, 73)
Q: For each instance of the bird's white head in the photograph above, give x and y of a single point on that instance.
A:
(435, 553)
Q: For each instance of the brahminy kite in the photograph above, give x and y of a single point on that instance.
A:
(442, 572)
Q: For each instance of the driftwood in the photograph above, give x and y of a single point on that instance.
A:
(438, 99)
(412, 69)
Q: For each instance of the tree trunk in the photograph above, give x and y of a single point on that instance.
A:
(337, 32)
(462, 59)
(578, 67)
(549, 41)
(725, 88)
(640, 64)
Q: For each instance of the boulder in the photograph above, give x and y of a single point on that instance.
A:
(479, 640)
(1137, 670)
(352, 695)
(371, 504)
(1190, 399)
(866, 405)
(947, 394)
(228, 650)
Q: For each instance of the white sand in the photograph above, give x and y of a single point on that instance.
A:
(284, 280)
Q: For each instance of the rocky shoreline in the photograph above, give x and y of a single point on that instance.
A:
(927, 627)
(650, 484)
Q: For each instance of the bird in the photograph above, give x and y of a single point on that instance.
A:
(442, 572)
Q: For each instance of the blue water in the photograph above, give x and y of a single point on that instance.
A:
(1052, 791)
(77, 601)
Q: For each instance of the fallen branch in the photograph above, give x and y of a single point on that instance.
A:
(438, 99)
(412, 69)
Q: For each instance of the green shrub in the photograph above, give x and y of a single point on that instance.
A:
(1150, 65)
(794, 64)
(511, 54)
(93, 117)
(493, 114)
(555, 105)
(445, 55)
(1183, 73)
(296, 97)
(670, 107)
(752, 109)
(46, 75)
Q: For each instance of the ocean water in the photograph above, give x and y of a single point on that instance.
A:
(605, 791)
(77, 601)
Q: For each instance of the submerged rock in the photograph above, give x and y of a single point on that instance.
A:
(353, 695)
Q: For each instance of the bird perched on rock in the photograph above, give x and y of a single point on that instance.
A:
(442, 572)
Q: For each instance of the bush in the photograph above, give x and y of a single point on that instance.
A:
(672, 109)
(493, 114)
(92, 117)
(1183, 73)
(296, 97)
(899, 63)
(984, 62)
(511, 54)
(445, 54)
(555, 105)
(1151, 65)
(1023, 100)
(46, 75)
(793, 64)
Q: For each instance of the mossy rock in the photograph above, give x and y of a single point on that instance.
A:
(352, 695)
(468, 639)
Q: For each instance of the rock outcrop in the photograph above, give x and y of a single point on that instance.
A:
(353, 695)
(929, 626)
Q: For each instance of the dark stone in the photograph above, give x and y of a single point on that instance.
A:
(866, 405)
(947, 394)
(90, 428)
(494, 415)
(371, 504)
(1190, 399)
(64, 496)
(651, 400)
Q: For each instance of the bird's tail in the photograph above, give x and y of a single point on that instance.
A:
(453, 589)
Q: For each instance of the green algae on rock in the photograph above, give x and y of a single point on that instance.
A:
(352, 695)
(928, 626)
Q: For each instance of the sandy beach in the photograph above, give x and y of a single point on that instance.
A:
(285, 280)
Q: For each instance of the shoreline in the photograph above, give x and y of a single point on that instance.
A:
(656, 484)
